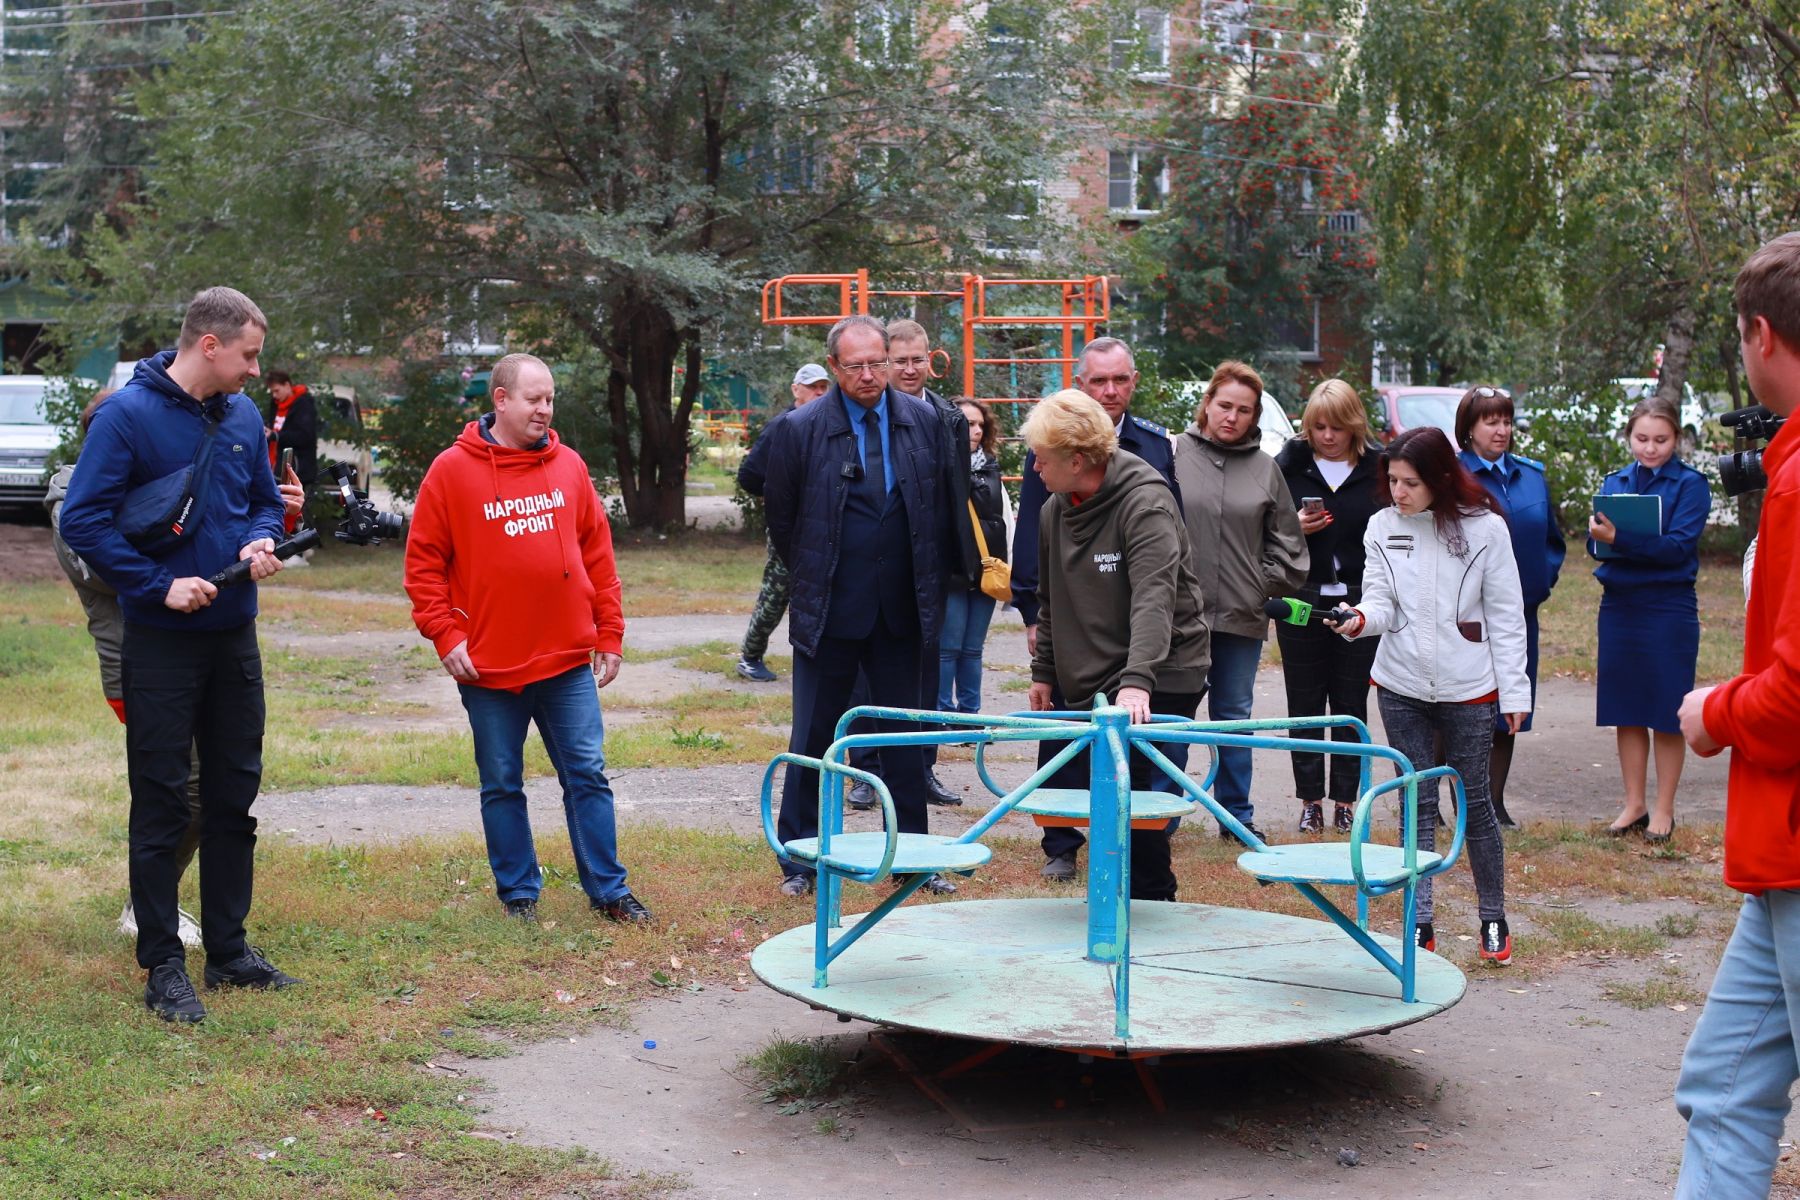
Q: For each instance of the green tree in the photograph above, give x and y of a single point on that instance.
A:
(1263, 215)
(404, 176)
(1573, 183)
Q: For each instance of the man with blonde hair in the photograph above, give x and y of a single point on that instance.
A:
(173, 486)
(509, 563)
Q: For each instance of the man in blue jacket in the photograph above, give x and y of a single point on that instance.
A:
(855, 496)
(192, 669)
(1106, 371)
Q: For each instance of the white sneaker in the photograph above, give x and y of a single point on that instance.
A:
(187, 925)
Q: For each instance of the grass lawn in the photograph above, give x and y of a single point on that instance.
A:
(336, 1089)
(1568, 622)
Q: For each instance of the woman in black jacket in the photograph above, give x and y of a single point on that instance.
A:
(967, 609)
(1330, 472)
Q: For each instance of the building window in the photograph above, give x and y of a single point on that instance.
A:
(26, 157)
(877, 167)
(1012, 221)
(1137, 181)
(1012, 75)
(783, 169)
(884, 33)
(1143, 45)
(1299, 334)
(470, 181)
(29, 28)
(478, 328)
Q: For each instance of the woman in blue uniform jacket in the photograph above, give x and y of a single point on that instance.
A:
(1649, 617)
(1484, 430)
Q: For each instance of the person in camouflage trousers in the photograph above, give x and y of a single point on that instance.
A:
(810, 382)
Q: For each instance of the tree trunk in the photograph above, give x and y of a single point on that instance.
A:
(1678, 350)
(645, 346)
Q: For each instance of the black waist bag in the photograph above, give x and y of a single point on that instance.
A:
(159, 516)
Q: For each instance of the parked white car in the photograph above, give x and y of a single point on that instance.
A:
(26, 439)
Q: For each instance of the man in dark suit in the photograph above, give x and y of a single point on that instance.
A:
(855, 496)
(1106, 371)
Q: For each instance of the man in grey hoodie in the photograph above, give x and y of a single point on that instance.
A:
(1119, 608)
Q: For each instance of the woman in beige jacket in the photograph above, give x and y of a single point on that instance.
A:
(1247, 548)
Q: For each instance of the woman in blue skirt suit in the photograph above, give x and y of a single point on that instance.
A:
(1649, 617)
(1484, 430)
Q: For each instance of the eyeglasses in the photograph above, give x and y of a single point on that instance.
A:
(874, 366)
(910, 363)
(1489, 393)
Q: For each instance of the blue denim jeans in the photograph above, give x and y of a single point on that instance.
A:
(966, 618)
(1230, 696)
(566, 709)
(1741, 1060)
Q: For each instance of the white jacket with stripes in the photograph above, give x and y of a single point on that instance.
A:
(1451, 617)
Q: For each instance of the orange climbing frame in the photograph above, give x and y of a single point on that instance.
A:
(1082, 304)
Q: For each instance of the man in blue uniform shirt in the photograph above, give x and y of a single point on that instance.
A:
(1107, 372)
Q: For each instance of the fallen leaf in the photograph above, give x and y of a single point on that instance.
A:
(1593, 1093)
(563, 997)
(1420, 1146)
(1679, 1007)
(1518, 991)
(675, 962)
(609, 981)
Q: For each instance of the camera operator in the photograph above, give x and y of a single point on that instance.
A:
(1740, 1062)
(192, 672)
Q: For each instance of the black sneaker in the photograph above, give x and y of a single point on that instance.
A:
(1225, 835)
(1424, 936)
(626, 908)
(1312, 816)
(755, 670)
(170, 995)
(796, 885)
(523, 909)
(1496, 943)
(937, 793)
(250, 971)
(937, 885)
(862, 796)
(1342, 816)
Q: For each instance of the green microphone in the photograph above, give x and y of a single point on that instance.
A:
(1291, 611)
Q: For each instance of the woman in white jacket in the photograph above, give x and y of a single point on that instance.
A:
(1441, 587)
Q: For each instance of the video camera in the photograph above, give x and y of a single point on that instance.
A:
(363, 525)
(1742, 470)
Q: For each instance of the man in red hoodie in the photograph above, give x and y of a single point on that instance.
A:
(509, 563)
(1741, 1062)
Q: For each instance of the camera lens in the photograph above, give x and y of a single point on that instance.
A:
(1742, 471)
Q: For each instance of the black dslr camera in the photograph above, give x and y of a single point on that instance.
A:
(363, 523)
(1742, 470)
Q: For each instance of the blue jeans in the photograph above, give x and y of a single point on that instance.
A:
(1231, 694)
(566, 709)
(966, 617)
(1741, 1062)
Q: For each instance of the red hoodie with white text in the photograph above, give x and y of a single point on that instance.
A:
(510, 550)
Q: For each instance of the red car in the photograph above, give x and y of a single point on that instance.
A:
(1403, 407)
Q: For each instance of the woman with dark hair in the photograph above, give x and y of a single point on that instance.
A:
(967, 609)
(1484, 430)
(1649, 617)
(1330, 472)
(1442, 589)
(1247, 547)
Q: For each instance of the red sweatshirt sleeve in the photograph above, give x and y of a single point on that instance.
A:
(1754, 713)
(603, 572)
(428, 553)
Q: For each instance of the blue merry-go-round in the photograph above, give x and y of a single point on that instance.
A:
(1096, 973)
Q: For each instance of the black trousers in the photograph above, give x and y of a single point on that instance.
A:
(198, 691)
(1152, 876)
(1325, 674)
(868, 759)
(823, 685)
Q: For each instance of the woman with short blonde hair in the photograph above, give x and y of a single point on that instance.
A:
(1071, 422)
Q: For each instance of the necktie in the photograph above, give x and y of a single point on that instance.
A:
(874, 464)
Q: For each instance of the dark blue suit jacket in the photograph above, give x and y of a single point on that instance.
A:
(1537, 537)
(809, 466)
(1146, 439)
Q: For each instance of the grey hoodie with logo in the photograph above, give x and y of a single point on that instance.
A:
(1119, 603)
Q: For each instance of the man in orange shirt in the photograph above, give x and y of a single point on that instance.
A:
(1741, 1062)
(510, 567)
